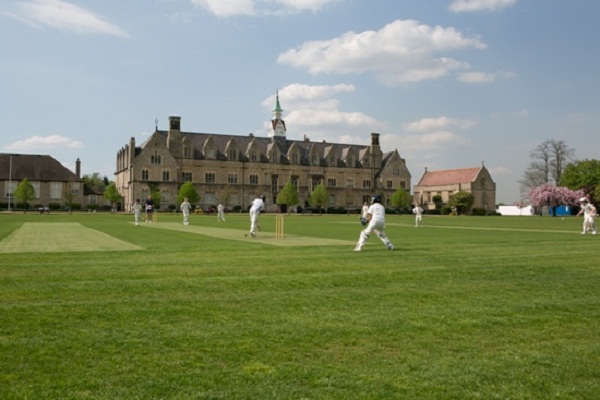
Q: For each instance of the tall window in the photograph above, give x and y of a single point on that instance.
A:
(144, 174)
(75, 187)
(367, 162)
(295, 158)
(165, 176)
(367, 183)
(155, 158)
(232, 154)
(209, 177)
(274, 184)
(55, 190)
(187, 176)
(232, 178)
(350, 161)
(403, 184)
(389, 184)
(253, 156)
(350, 182)
(10, 188)
(36, 187)
(331, 182)
(187, 152)
(253, 179)
(165, 197)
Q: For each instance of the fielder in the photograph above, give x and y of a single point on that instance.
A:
(185, 209)
(418, 211)
(137, 211)
(589, 212)
(376, 223)
(221, 212)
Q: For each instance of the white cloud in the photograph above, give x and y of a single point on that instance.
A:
(520, 114)
(37, 143)
(429, 124)
(231, 8)
(459, 6)
(483, 77)
(500, 170)
(409, 145)
(402, 51)
(63, 16)
(316, 113)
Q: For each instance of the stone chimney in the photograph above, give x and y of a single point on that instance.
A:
(78, 168)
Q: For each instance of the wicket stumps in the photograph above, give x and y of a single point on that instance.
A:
(279, 226)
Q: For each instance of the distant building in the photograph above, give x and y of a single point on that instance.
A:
(235, 169)
(53, 183)
(516, 210)
(445, 183)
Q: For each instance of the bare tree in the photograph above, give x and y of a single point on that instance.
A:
(561, 156)
(548, 160)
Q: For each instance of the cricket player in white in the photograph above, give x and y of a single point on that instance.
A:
(418, 211)
(376, 223)
(137, 211)
(589, 212)
(185, 208)
(258, 204)
(221, 212)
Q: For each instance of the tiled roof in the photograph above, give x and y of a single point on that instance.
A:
(449, 177)
(34, 168)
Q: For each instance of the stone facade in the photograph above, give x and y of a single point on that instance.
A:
(53, 183)
(445, 183)
(235, 169)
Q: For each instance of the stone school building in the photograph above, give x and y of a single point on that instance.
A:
(233, 169)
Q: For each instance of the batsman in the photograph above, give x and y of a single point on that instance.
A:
(375, 223)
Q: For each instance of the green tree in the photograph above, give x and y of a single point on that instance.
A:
(188, 190)
(95, 181)
(24, 192)
(112, 194)
(584, 174)
(401, 199)
(288, 196)
(319, 197)
(462, 201)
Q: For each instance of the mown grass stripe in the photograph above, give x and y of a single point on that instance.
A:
(52, 237)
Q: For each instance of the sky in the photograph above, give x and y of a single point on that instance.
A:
(448, 83)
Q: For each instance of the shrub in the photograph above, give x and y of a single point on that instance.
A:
(479, 211)
(446, 210)
(54, 206)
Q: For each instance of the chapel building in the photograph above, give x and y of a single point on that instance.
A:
(445, 183)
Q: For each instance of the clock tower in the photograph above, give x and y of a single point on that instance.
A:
(277, 127)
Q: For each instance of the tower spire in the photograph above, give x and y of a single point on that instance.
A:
(277, 123)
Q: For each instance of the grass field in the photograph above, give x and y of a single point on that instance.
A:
(93, 307)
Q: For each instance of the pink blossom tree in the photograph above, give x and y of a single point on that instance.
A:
(554, 196)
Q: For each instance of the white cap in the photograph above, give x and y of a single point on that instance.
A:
(583, 199)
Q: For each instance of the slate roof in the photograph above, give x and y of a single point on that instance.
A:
(34, 168)
(449, 177)
(265, 144)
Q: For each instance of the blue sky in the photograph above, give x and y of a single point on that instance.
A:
(449, 83)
